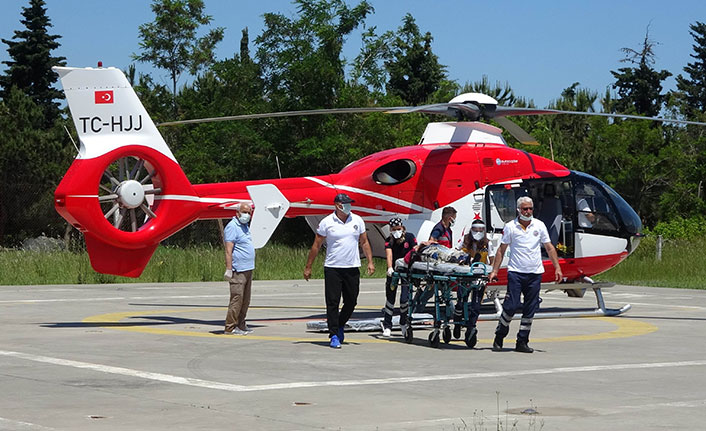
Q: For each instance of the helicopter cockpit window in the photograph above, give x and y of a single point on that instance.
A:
(395, 172)
(593, 209)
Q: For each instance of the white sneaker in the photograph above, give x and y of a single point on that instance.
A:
(386, 332)
(236, 331)
(247, 330)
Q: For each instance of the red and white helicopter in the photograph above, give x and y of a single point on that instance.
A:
(126, 192)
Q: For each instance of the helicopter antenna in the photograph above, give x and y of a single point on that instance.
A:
(72, 139)
(278, 170)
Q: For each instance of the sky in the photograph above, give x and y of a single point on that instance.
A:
(538, 47)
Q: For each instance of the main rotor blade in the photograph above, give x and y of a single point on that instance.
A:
(503, 111)
(454, 110)
(457, 110)
(516, 131)
(280, 114)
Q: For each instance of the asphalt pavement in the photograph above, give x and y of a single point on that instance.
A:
(153, 357)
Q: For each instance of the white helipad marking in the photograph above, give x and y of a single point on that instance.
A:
(162, 297)
(19, 425)
(297, 385)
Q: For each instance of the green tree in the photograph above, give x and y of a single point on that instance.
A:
(32, 159)
(501, 92)
(414, 70)
(301, 58)
(369, 65)
(640, 87)
(692, 88)
(170, 42)
(233, 150)
(686, 197)
(31, 61)
(303, 68)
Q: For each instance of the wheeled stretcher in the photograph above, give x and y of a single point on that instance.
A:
(438, 281)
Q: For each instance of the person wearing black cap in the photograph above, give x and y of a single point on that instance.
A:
(397, 245)
(343, 232)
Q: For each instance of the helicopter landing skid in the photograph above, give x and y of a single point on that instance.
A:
(600, 310)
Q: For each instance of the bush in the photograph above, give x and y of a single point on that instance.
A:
(681, 228)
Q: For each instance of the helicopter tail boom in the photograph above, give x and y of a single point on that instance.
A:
(124, 191)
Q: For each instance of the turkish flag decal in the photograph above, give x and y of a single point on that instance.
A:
(104, 96)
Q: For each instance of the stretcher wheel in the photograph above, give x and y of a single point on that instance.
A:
(408, 334)
(447, 335)
(471, 337)
(434, 339)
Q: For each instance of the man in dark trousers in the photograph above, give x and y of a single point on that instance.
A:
(399, 243)
(343, 232)
(524, 235)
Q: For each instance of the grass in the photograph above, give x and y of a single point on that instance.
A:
(168, 264)
(682, 265)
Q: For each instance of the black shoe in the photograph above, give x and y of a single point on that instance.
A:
(457, 331)
(523, 348)
(497, 344)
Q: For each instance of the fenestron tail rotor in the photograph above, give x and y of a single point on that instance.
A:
(127, 191)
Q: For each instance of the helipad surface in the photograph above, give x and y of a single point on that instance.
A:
(149, 357)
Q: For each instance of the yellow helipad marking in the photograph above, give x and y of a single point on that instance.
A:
(625, 328)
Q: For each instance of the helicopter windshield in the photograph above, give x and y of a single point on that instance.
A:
(630, 220)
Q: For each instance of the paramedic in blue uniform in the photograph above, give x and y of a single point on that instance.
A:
(441, 233)
(399, 243)
(523, 235)
(343, 232)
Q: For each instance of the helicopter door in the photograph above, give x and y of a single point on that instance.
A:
(598, 228)
(553, 205)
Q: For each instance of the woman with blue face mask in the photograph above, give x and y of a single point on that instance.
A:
(479, 249)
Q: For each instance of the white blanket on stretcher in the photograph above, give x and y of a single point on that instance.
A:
(445, 268)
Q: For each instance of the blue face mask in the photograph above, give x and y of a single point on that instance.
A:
(346, 208)
(244, 218)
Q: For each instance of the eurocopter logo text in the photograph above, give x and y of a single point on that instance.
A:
(504, 162)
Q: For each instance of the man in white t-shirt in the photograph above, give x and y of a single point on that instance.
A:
(524, 235)
(586, 217)
(343, 231)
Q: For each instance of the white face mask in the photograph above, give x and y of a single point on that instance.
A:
(478, 235)
(346, 208)
(451, 222)
(244, 218)
(397, 234)
(525, 218)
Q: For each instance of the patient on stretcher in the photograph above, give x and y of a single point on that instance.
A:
(439, 259)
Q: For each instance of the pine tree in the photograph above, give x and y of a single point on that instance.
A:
(693, 88)
(415, 72)
(30, 67)
(640, 87)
